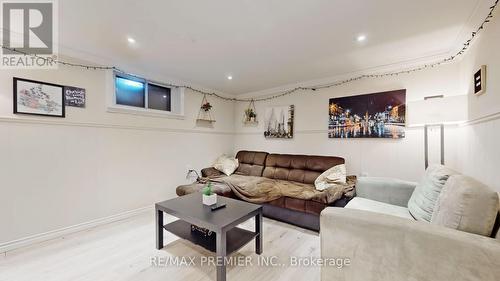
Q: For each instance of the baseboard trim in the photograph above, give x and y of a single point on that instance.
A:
(58, 233)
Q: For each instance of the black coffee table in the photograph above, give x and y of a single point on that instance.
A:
(228, 237)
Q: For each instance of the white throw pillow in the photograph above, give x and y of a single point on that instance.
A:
(226, 164)
(334, 176)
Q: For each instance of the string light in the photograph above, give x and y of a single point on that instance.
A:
(464, 48)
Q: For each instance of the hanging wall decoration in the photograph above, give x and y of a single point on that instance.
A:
(279, 122)
(480, 81)
(251, 114)
(379, 115)
(38, 98)
(74, 96)
(205, 113)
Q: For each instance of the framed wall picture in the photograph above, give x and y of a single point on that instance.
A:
(279, 122)
(38, 98)
(480, 81)
(378, 115)
(74, 96)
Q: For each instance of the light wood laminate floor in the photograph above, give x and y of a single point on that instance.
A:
(123, 251)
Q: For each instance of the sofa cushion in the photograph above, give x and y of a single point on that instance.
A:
(364, 204)
(251, 163)
(226, 164)
(331, 177)
(278, 202)
(218, 188)
(305, 206)
(387, 190)
(211, 172)
(466, 204)
(295, 204)
(425, 195)
(315, 208)
(298, 168)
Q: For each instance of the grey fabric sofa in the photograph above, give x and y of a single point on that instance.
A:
(383, 241)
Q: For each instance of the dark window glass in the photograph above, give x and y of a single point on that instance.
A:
(158, 97)
(129, 92)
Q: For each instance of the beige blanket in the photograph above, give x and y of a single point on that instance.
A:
(262, 190)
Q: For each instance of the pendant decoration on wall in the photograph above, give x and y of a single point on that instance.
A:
(205, 113)
(38, 98)
(250, 117)
(379, 115)
(74, 96)
(480, 81)
(279, 122)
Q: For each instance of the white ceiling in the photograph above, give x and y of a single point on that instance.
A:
(261, 43)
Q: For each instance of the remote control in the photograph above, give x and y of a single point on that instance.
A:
(217, 207)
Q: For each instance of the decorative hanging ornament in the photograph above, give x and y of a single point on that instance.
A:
(250, 116)
(205, 113)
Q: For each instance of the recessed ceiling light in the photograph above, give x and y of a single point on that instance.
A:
(164, 96)
(131, 40)
(230, 77)
(361, 38)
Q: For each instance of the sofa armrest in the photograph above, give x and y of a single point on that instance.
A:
(384, 247)
(387, 190)
(211, 173)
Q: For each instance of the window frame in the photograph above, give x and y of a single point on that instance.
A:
(135, 79)
(146, 94)
(176, 107)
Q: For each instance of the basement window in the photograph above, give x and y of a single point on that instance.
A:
(140, 96)
(158, 97)
(130, 92)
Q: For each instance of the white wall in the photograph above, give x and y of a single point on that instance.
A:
(375, 157)
(480, 154)
(471, 149)
(58, 172)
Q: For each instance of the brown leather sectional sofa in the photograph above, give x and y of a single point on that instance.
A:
(297, 168)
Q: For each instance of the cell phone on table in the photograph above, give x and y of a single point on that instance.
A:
(217, 206)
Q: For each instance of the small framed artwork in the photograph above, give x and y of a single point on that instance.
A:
(74, 96)
(38, 98)
(279, 122)
(480, 81)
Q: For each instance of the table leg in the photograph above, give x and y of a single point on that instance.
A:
(159, 229)
(258, 230)
(221, 244)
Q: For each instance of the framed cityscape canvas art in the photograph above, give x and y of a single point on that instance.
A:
(378, 115)
(38, 98)
(279, 122)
